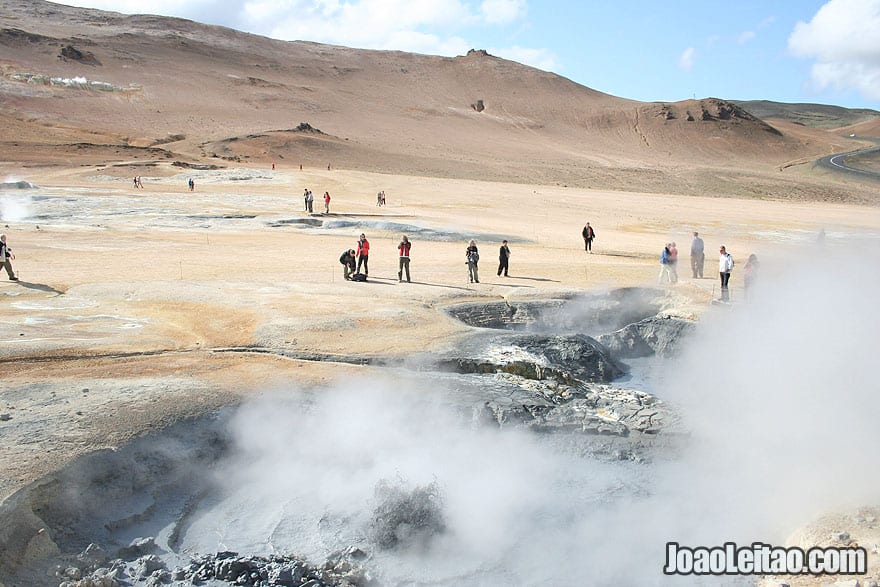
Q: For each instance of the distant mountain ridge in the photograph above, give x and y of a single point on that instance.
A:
(813, 115)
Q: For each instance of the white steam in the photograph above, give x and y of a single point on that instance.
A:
(779, 398)
(782, 395)
(14, 207)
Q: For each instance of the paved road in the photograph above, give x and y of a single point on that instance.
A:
(838, 163)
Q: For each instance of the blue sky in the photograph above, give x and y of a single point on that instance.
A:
(824, 51)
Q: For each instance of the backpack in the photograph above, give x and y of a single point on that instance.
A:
(358, 277)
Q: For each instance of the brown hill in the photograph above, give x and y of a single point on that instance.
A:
(95, 87)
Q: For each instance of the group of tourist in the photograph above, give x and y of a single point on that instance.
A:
(309, 201)
(353, 259)
(669, 262)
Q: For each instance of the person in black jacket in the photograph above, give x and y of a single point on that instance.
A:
(589, 234)
(348, 263)
(503, 258)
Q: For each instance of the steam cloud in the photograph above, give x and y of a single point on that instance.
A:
(778, 398)
(14, 207)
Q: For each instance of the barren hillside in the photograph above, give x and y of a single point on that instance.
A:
(92, 87)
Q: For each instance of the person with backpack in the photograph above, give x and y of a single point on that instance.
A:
(664, 265)
(589, 234)
(347, 260)
(6, 257)
(725, 266)
(403, 248)
(472, 254)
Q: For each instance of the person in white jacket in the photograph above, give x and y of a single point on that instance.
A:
(725, 266)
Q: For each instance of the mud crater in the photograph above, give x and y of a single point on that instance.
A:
(122, 517)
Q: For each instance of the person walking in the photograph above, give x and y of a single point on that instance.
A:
(403, 248)
(673, 262)
(664, 265)
(326, 202)
(698, 256)
(503, 258)
(472, 254)
(6, 258)
(347, 260)
(192, 184)
(589, 234)
(310, 202)
(306, 200)
(363, 254)
(725, 266)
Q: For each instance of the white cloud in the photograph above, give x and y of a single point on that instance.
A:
(745, 37)
(766, 22)
(686, 61)
(843, 39)
(502, 11)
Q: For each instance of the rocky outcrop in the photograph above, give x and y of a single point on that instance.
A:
(306, 128)
(566, 359)
(658, 335)
(604, 410)
(225, 568)
(71, 53)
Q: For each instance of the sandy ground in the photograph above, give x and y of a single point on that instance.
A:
(128, 297)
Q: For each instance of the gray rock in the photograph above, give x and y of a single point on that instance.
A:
(145, 566)
(93, 554)
(138, 548)
(5, 417)
(567, 359)
(405, 517)
(657, 335)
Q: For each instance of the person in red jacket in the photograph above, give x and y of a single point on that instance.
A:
(326, 202)
(363, 254)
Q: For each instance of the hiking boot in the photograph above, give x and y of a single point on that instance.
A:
(13, 279)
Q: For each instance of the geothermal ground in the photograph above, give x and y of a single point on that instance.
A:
(186, 375)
